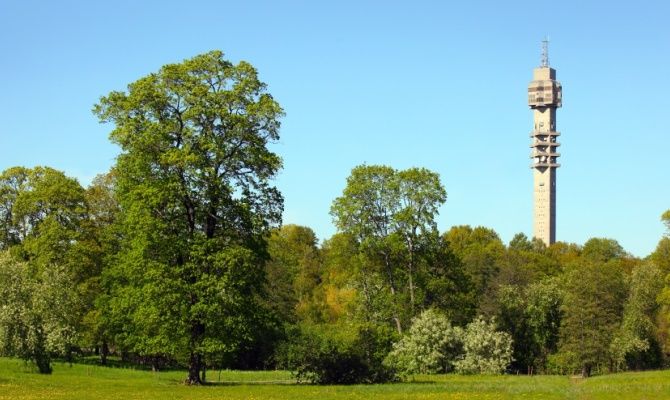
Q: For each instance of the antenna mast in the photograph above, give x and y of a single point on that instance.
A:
(545, 53)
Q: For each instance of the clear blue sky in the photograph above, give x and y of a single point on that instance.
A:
(416, 83)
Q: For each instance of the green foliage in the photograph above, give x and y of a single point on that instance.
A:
(661, 255)
(193, 181)
(532, 316)
(344, 355)
(391, 214)
(520, 242)
(41, 211)
(635, 345)
(96, 250)
(592, 309)
(665, 218)
(430, 346)
(445, 282)
(36, 318)
(42, 218)
(487, 351)
(294, 273)
(481, 251)
(602, 250)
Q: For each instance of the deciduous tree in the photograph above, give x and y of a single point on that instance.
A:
(194, 183)
(592, 310)
(392, 215)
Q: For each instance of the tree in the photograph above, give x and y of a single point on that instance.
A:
(22, 330)
(446, 284)
(532, 316)
(421, 195)
(38, 311)
(592, 307)
(343, 275)
(365, 212)
(602, 250)
(665, 218)
(294, 274)
(520, 242)
(661, 255)
(481, 252)
(42, 214)
(194, 183)
(635, 345)
(99, 246)
(392, 215)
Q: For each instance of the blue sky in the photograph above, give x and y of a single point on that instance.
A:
(435, 84)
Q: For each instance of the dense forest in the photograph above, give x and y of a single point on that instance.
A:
(177, 258)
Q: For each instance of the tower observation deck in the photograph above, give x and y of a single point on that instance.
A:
(544, 97)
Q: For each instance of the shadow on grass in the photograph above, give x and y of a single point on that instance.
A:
(295, 383)
(114, 362)
(253, 383)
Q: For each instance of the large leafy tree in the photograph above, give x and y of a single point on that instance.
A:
(392, 216)
(592, 307)
(194, 184)
(42, 213)
(365, 211)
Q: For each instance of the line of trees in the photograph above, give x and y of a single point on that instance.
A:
(177, 256)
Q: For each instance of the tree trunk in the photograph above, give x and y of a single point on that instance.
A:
(43, 364)
(411, 272)
(104, 352)
(389, 271)
(41, 355)
(195, 359)
(397, 324)
(155, 363)
(586, 371)
(194, 365)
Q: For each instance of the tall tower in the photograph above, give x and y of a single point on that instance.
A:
(544, 97)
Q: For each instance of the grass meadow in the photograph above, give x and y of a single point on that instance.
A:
(18, 381)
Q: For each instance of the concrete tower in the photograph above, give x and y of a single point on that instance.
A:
(544, 97)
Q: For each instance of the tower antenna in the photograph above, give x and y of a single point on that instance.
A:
(545, 53)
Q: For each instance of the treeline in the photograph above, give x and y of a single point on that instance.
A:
(176, 257)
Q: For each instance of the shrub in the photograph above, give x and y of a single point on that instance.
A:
(487, 351)
(431, 346)
(323, 354)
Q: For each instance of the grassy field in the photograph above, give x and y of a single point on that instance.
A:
(18, 381)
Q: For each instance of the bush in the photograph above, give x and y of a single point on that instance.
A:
(487, 351)
(431, 346)
(324, 354)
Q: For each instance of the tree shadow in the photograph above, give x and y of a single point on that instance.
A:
(252, 383)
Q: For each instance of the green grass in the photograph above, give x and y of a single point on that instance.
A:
(18, 381)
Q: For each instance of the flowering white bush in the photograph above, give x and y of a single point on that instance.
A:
(429, 347)
(487, 351)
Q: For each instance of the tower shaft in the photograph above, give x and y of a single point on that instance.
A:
(544, 97)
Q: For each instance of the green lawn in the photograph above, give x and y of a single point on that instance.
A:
(18, 381)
